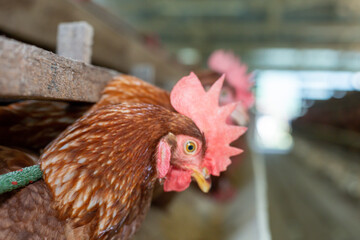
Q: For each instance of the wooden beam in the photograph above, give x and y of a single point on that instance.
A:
(116, 44)
(30, 72)
(75, 40)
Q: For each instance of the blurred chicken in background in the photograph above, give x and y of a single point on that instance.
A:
(236, 89)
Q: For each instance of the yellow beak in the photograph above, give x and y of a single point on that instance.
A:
(203, 179)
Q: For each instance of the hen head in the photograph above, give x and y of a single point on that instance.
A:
(236, 75)
(181, 158)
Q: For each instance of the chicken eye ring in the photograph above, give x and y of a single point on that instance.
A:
(190, 147)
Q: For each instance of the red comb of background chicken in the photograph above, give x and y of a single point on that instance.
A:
(236, 74)
(188, 97)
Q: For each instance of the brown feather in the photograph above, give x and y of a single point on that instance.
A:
(104, 163)
(14, 159)
(99, 173)
(27, 214)
(130, 89)
(34, 124)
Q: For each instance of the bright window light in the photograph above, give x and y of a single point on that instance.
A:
(278, 94)
(282, 96)
(273, 134)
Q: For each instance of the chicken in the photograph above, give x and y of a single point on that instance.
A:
(13, 159)
(34, 124)
(236, 89)
(99, 174)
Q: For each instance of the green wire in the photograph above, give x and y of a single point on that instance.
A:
(20, 178)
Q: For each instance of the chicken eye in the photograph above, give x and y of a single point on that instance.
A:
(224, 93)
(190, 147)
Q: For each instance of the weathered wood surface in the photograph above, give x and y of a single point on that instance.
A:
(116, 44)
(27, 71)
(75, 40)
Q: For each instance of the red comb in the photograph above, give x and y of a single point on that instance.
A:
(188, 97)
(236, 74)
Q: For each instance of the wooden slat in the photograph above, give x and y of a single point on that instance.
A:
(27, 71)
(75, 40)
(116, 44)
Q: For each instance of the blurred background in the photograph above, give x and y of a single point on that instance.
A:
(299, 177)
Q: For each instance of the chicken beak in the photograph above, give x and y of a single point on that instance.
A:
(203, 179)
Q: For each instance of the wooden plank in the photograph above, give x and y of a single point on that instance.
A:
(74, 41)
(27, 71)
(116, 45)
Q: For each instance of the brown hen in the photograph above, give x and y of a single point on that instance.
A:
(33, 124)
(99, 174)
